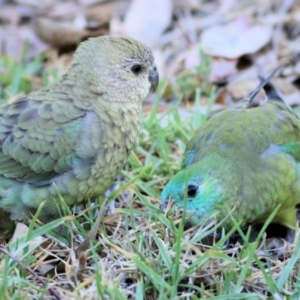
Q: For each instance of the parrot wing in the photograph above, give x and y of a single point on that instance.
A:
(38, 138)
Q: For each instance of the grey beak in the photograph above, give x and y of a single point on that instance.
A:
(153, 78)
(164, 205)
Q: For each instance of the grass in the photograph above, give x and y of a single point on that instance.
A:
(139, 252)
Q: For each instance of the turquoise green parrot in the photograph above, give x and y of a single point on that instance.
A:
(75, 136)
(244, 160)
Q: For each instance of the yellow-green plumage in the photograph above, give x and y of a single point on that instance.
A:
(244, 160)
(78, 133)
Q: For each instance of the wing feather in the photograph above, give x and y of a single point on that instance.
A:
(38, 138)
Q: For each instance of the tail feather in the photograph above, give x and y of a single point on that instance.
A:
(244, 103)
(271, 91)
(273, 94)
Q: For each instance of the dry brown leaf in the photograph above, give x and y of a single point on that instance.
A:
(21, 231)
(235, 39)
(238, 90)
(147, 19)
(225, 6)
(221, 68)
(186, 4)
(12, 13)
(60, 9)
(62, 33)
(290, 92)
(12, 41)
(191, 57)
(104, 11)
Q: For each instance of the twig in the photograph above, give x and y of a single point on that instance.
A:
(85, 245)
(34, 274)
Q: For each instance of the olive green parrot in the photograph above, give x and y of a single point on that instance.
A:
(75, 136)
(243, 160)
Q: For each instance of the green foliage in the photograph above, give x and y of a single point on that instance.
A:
(22, 77)
(190, 80)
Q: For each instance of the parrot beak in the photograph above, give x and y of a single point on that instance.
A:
(153, 78)
(166, 205)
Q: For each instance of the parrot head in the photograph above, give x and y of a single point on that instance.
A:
(200, 193)
(116, 68)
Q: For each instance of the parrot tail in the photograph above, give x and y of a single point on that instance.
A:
(271, 91)
(273, 94)
(245, 103)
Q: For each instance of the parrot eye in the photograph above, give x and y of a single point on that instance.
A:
(192, 190)
(136, 69)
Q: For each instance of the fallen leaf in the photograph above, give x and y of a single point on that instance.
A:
(146, 20)
(61, 33)
(221, 68)
(104, 11)
(191, 57)
(12, 41)
(235, 39)
(238, 90)
(21, 231)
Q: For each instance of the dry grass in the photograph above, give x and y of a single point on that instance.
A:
(140, 253)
